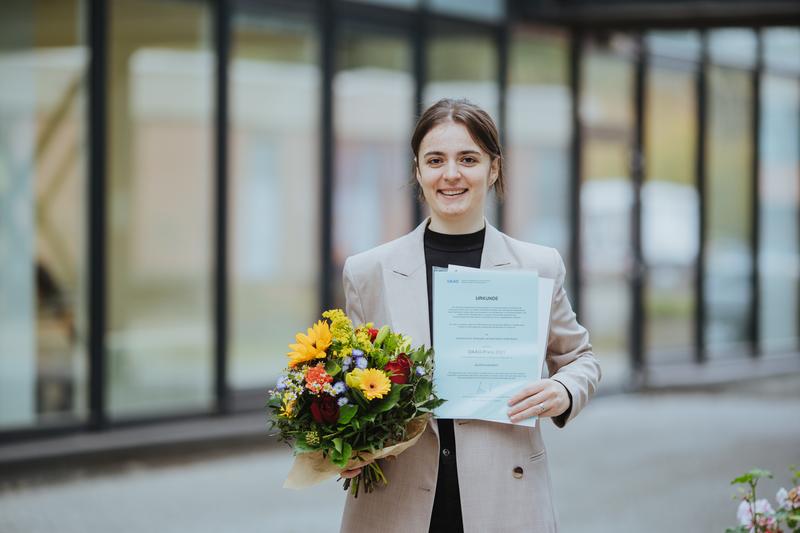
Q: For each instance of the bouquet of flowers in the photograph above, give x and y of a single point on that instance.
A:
(349, 396)
(757, 515)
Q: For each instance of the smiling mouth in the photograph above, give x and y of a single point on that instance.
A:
(458, 192)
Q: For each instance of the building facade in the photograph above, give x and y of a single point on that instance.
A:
(182, 180)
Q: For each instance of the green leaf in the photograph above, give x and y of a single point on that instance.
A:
(346, 413)
(382, 333)
(420, 355)
(423, 392)
(337, 444)
(300, 446)
(341, 457)
(389, 401)
(332, 368)
(752, 476)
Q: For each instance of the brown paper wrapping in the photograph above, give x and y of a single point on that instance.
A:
(311, 468)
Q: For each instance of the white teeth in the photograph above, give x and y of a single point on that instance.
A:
(462, 191)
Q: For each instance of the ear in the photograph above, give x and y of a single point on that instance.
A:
(416, 170)
(494, 171)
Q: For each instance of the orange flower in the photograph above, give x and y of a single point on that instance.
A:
(316, 378)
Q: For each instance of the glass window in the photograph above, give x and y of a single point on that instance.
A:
(728, 267)
(782, 48)
(606, 201)
(479, 9)
(732, 46)
(463, 64)
(537, 202)
(274, 191)
(43, 277)
(779, 256)
(373, 95)
(392, 3)
(674, 44)
(159, 339)
(670, 214)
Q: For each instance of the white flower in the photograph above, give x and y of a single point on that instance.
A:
(745, 517)
(782, 498)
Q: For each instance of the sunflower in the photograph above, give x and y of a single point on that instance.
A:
(374, 383)
(311, 346)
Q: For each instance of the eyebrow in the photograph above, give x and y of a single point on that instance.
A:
(462, 152)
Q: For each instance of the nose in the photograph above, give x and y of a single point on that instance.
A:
(451, 170)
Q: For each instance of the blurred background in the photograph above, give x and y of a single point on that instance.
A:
(182, 180)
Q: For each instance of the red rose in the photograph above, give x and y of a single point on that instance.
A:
(372, 334)
(325, 410)
(399, 369)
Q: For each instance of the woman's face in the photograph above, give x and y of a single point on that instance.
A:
(454, 173)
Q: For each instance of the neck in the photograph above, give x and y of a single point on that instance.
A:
(458, 226)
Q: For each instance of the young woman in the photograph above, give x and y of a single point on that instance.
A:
(465, 475)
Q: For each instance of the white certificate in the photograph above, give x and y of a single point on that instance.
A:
(489, 336)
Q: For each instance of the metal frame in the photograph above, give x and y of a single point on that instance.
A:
(576, 164)
(755, 196)
(638, 275)
(701, 82)
(326, 25)
(222, 34)
(96, 242)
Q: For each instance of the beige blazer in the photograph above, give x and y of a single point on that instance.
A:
(388, 285)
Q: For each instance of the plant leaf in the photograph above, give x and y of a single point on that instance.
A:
(346, 413)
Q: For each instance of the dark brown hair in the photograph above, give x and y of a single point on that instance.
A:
(479, 124)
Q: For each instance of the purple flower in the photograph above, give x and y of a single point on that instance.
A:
(420, 371)
(281, 385)
(361, 362)
(357, 352)
(346, 362)
(339, 387)
(342, 401)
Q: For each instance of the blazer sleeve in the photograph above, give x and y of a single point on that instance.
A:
(352, 302)
(569, 354)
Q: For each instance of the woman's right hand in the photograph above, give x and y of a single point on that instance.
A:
(349, 474)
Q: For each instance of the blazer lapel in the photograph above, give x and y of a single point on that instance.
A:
(406, 288)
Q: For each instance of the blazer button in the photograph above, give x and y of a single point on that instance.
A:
(518, 472)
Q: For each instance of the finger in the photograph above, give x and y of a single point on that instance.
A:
(530, 412)
(527, 403)
(350, 473)
(526, 391)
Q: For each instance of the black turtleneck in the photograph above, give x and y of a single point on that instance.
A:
(442, 250)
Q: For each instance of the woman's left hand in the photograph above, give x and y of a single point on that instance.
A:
(546, 397)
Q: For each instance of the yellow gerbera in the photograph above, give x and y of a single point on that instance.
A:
(311, 346)
(374, 383)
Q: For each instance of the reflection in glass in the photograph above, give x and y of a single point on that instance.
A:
(537, 151)
(670, 215)
(606, 201)
(728, 214)
(159, 338)
(779, 269)
(43, 63)
(733, 46)
(479, 9)
(463, 64)
(782, 48)
(674, 44)
(373, 95)
(274, 192)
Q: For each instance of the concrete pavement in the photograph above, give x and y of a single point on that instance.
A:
(630, 463)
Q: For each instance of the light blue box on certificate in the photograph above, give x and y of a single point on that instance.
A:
(486, 337)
